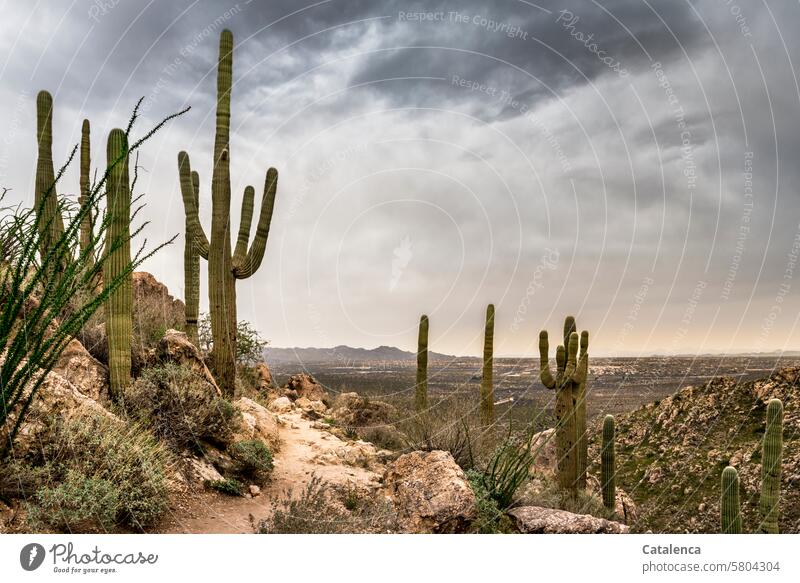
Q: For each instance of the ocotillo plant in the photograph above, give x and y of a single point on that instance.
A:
(50, 222)
(191, 272)
(421, 393)
(607, 466)
(224, 267)
(772, 450)
(730, 509)
(119, 307)
(487, 386)
(569, 373)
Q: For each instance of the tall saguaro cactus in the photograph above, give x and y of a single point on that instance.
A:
(119, 307)
(579, 404)
(421, 393)
(607, 465)
(772, 450)
(487, 380)
(191, 271)
(87, 226)
(730, 509)
(224, 266)
(49, 220)
(570, 374)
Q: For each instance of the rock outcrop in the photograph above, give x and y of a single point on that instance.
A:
(83, 370)
(175, 347)
(538, 520)
(430, 493)
(257, 423)
(353, 410)
(304, 385)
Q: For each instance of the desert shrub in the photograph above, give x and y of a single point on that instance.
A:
(181, 407)
(19, 478)
(325, 509)
(383, 436)
(84, 455)
(253, 458)
(489, 519)
(229, 486)
(80, 503)
(545, 491)
(449, 425)
(249, 344)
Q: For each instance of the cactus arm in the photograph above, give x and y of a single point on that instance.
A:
(245, 222)
(190, 203)
(569, 328)
(561, 363)
(730, 509)
(772, 450)
(256, 254)
(50, 223)
(607, 470)
(544, 362)
(572, 357)
(421, 393)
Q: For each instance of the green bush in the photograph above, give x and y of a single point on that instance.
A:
(490, 519)
(78, 504)
(227, 486)
(253, 458)
(87, 455)
(181, 408)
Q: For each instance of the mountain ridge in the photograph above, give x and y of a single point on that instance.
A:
(344, 353)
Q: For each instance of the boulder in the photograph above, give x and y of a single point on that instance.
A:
(312, 410)
(430, 493)
(264, 377)
(543, 446)
(304, 385)
(149, 294)
(281, 405)
(83, 370)
(257, 423)
(198, 472)
(353, 410)
(538, 520)
(175, 347)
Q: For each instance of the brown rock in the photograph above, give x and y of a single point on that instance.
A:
(281, 405)
(306, 386)
(257, 423)
(353, 410)
(537, 520)
(84, 371)
(264, 376)
(430, 493)
(175, 347)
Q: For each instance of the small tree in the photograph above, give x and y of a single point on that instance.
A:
(249, 343)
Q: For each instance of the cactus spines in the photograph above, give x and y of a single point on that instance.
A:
(772, 449)
(87, 226)
(730, 510)
(570, 373)
(487, 387)
(224, 266)
(119, 306)
(49, 221)
(191, 271)
(421, 393)
(607, 466)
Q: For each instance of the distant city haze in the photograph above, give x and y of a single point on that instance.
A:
(633, 164)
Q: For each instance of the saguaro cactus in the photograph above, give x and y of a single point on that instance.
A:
(487, 386)
(607, 466)
(191, 271)
(570, 373)
(772, 451)
(421, 394)
(87, 226)
(119, 307)
(49, 220)
(224, 267)
(730, 509)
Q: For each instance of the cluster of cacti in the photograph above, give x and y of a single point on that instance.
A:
(607, 464)
(119, 307)
(421, 389)
(769, 502)
(487, 383)
(225, 267)
(569, 383)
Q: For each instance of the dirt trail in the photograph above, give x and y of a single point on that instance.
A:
(305, 451)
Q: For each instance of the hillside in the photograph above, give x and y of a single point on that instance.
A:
(671, 453)
(346, 355)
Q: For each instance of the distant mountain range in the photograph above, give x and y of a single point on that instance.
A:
(345, 354)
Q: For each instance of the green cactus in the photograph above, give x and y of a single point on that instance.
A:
(225, 267)
(87, 225)
(730, 509)
(487, 387)
(191, 272)
(119, 307)
(570, 374)
(579, 404)
(769, 503)
(49, 221)
(607, 466)
(421, 394)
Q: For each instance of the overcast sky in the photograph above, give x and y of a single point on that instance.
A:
(632, 163)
